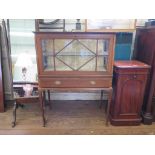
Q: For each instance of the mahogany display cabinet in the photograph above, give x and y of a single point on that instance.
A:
(129, 82)
(74, 61)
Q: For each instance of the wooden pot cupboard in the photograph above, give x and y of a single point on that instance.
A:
(129, 82)
(74, 61)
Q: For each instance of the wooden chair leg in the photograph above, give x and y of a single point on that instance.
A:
(41, 100)
(108, 106)
(14, 114)
(101, 100)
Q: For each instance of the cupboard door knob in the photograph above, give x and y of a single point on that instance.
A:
(57, 82)
(93, 82)
(134, 76)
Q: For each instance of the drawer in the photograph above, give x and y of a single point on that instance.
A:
(75, 82)
(138, 77)
(131, 71)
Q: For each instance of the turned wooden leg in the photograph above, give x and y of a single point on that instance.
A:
(41, 100)
(101, 100)
(14, 114)
(49, 100)
(108, 106)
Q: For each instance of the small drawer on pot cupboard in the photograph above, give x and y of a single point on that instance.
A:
(75, 82)
(141, 77)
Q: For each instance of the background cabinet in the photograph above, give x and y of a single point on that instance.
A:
(1, 88)
(145, 52)
(130, 78)
(123, 47)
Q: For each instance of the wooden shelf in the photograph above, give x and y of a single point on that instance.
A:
(111, 30)
(118, 27)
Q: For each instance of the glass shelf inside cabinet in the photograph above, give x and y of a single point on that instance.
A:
(75, 54)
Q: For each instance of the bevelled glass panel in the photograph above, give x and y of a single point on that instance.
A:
(48, 63)
(59, 44)
(75, 62)
(89, 43)
(47, 47)
(103, 47)
(102, 63)
(90, 66)
(60, 66)
(76, 48)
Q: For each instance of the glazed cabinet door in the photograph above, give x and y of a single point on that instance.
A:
(75, 53)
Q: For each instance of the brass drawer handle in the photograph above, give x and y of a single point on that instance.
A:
(57, 82)
(93, 82)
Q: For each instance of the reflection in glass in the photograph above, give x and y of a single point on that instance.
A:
(103, 47)
(48, 63)
(60, 44)
(89, 43)
(102, 63)
(75, 48)
(90, 66)
(47, 47)
(60, 66)
(75, 62)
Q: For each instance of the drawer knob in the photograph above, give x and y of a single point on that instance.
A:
(134, 76)
(93, 82)
(57, 82)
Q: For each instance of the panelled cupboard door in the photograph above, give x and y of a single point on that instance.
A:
(131, 94)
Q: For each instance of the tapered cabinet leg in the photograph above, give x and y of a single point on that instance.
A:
(101, 100)
(49, 99)
(14, 114)
(41, 100)
(44, 97)
(108, 107)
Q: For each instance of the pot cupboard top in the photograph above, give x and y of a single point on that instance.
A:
(130, 64)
